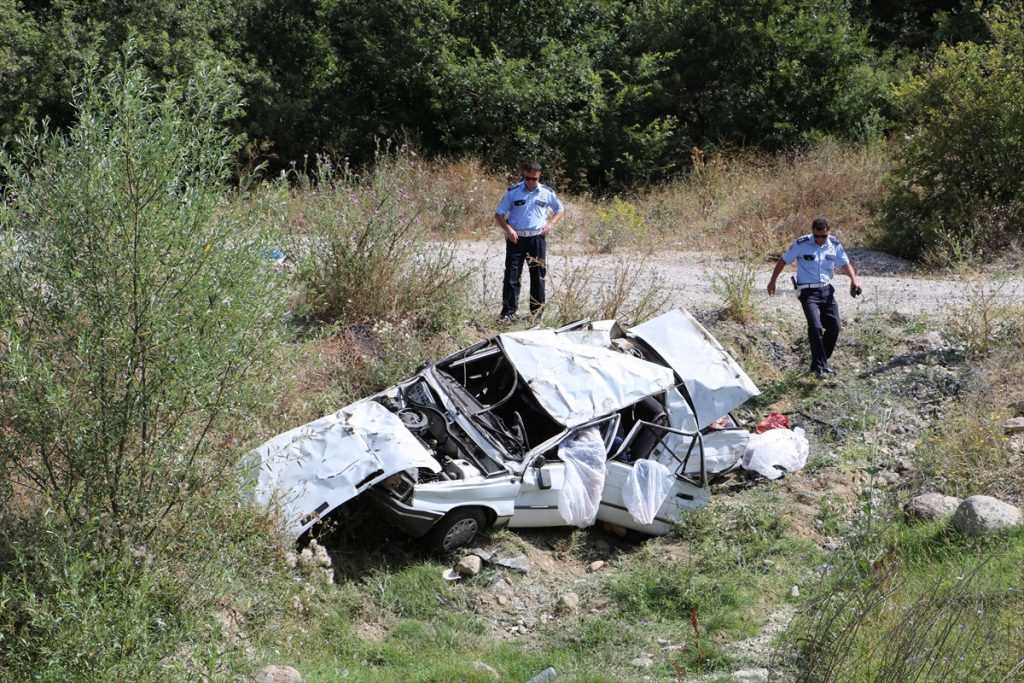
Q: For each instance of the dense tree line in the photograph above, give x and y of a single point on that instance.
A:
(608, 91)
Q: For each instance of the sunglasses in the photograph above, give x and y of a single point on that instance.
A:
(532, 178)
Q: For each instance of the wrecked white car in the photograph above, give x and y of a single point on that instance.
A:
(526, 429)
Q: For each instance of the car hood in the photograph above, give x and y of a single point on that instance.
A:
(715, 382)
(312, 469)
(578, 382)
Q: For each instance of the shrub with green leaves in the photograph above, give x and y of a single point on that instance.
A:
(616, 224)
(366, 253)
(137, 309)
(956, 190)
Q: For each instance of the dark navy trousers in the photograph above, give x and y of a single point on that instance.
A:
(532, 251)
(822, 313)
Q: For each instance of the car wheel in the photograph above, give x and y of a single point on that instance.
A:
(456, 529)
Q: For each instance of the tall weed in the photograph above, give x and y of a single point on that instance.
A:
(913, 604)
(624, 288)
(366, 253)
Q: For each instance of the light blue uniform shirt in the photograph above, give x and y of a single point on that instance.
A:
(815, 265)
(527, 211)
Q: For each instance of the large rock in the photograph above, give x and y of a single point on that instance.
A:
(273, 673)
(931, 507)
(568, 602)
(980, 515)
(1015, 425)
(469, 565)
(750, 676)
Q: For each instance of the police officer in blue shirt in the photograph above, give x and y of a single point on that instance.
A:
(526, 214)
(818, 256)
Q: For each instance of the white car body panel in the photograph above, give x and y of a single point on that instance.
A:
(715, 382)
(314, 468)
(684, 496)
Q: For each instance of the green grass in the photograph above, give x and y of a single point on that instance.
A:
(915, 603)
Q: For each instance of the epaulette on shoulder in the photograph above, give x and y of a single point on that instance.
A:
(833, 239)
(512, 187)
(805, 238)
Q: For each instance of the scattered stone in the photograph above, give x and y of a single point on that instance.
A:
(980, 515)
(502, 600)
(595, 566)
(794, 592)
(469, 565)
(904, 464)
(750, 676)
(831, 544)
(291, 559)
(273, 673)
(568, 602)
(1015, 425)
(644, 661)
(546, 676)
(931, 507)
(517, 563)
(673, 648)
(484, 555)
(887, 478)
(486, 668)
(664, 641)
(927, 341)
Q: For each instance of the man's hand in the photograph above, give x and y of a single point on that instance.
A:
(546, 229)
(511, 235)
(855, 289)
(771, 288)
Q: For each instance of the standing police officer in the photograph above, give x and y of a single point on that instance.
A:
(817, 257)
(526, 214)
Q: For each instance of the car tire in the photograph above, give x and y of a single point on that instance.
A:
(456, 529)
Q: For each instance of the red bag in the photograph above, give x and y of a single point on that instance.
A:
(772, 421)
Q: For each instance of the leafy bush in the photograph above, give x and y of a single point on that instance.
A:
(619, 223)
(137, 311)
(955, 191)
(365, 254)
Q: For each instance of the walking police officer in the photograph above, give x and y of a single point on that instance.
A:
(818, 256)
(526, 214)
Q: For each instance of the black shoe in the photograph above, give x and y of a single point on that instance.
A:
(828, 370)
(506, 319)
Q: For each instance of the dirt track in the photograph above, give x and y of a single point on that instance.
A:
(889, 282)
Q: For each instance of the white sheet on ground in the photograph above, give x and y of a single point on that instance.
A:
(584, 456)
(576, 383)
(715, 382)
(646, 489)
(776, 452)
(312, 469)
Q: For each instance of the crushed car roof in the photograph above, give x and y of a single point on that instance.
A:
(576, 383)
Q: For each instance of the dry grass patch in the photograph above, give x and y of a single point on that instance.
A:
(748, 203)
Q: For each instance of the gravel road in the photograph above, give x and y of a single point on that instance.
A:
(889, 282)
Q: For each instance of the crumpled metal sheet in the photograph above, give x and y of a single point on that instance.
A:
(312, 469)
(576, 383)
(715, 382)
